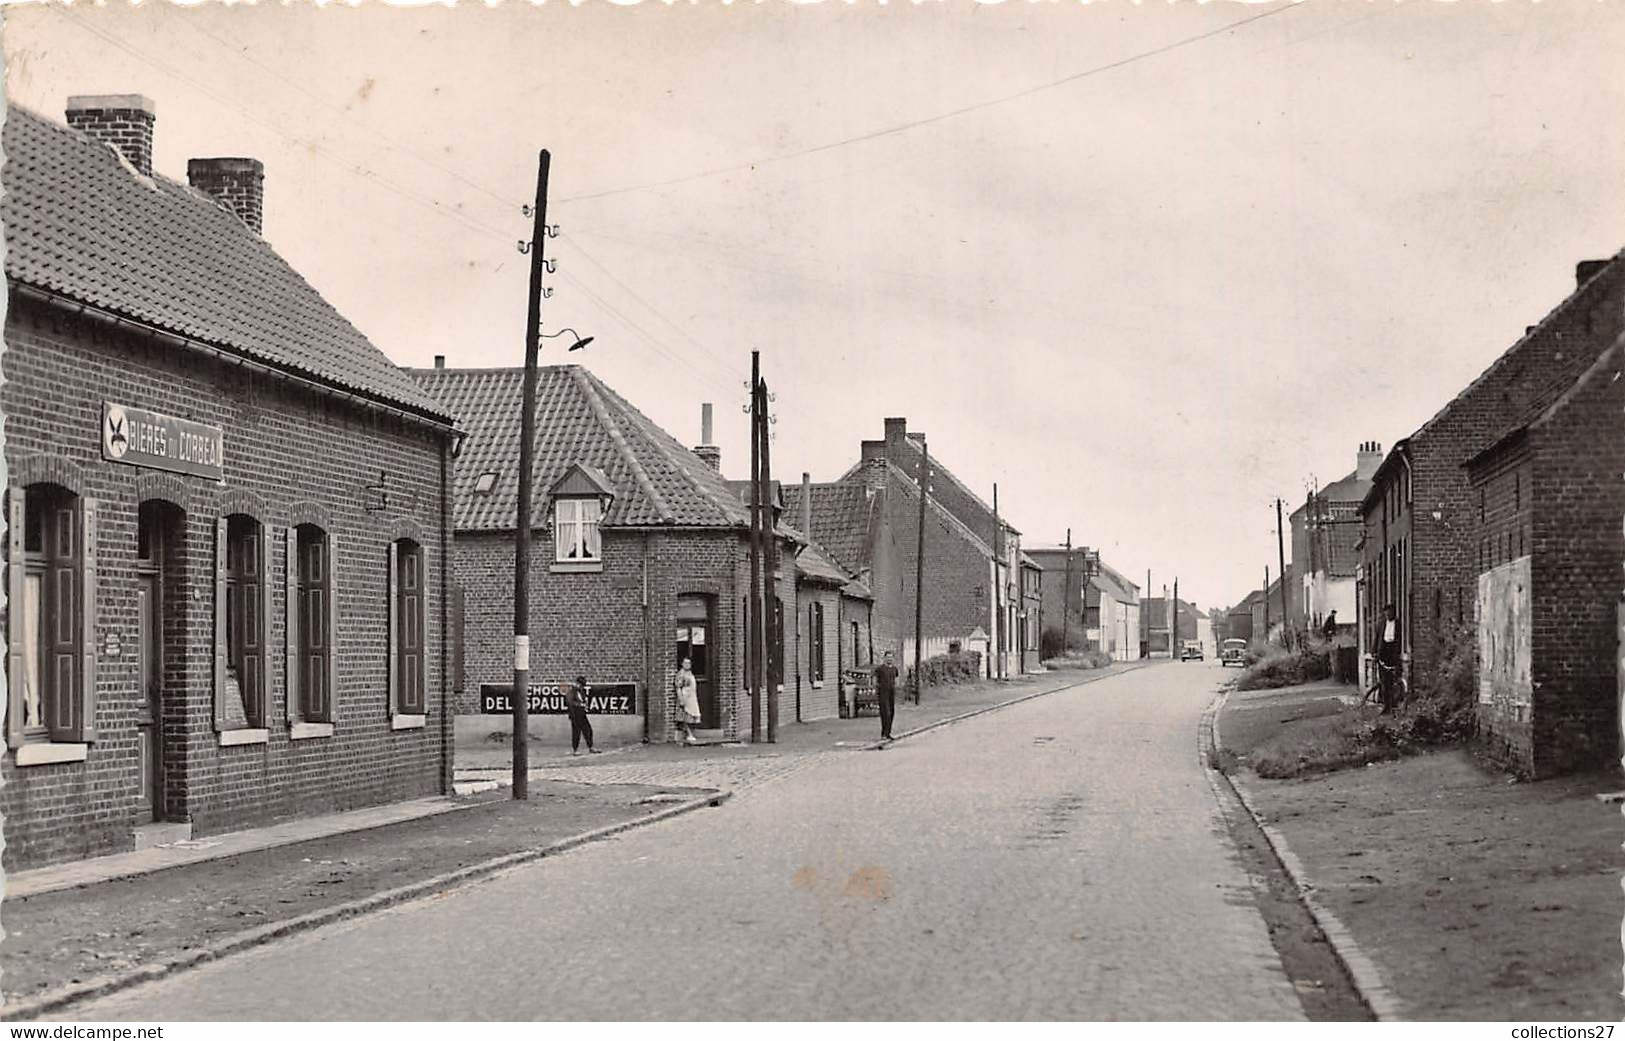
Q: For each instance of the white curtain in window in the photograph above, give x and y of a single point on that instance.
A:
(576, 529)
(33, 707)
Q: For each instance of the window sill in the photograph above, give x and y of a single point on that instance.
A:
(576, 567)
(301, 731)
(229, 738)
(818, 685)
(408, 722)
(41, 753)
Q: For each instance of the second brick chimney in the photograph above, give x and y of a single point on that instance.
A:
(239, 183)
(711, 453)
(123, 121)
(1367, 461)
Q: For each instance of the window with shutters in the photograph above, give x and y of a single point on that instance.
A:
(815, 642)
(242, 588)
(51, 664)
(312, 628)
(408, 665)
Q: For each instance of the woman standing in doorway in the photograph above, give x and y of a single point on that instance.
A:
(688, 702)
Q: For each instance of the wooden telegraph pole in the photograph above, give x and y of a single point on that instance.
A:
(521, 555)
(1287, 629)
(755, 602)
(1066, 598)
(772, 620)
(919, 572)
(998, 584)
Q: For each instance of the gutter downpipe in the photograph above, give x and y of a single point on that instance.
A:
(447, 681)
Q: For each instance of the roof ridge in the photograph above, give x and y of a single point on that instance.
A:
(595, 401)
(937, 467)
(1579, 384)
(964, 529)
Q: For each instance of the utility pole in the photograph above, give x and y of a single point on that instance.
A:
(1287, 628)
(1066, 598)
(1145, 618)
(773, 659)
(1173, 628)
(1266, 603)
(521, 548)
(755, 602)
(998, 581)
(919, 572)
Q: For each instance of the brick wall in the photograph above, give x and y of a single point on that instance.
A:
(1504, 520)
(1578, 544)
(283, 447)
(821, 702)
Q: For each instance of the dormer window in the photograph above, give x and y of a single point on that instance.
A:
(575, 529)
(581, 499)
(485, 482)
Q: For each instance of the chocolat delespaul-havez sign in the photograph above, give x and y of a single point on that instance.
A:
(152, 439)
(547, 699)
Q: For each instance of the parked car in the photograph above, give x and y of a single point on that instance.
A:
(1234, 652)
(1191, 649)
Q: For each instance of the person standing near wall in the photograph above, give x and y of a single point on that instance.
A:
(575, 704)
(688, 702)
(886, 693)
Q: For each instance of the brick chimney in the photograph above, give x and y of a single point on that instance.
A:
(806, 504)
(440, 361)
(239, 183)
(121, 120)
(1586, 270)
(705, 449)
(872, 465)
(896, 429)
(1367, 461)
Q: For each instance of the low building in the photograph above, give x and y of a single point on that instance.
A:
(1326, 532)
(1549, 548)
(228, 513)
(1031, 619)
(641, 559)
(1114, 614)
(1062, 592)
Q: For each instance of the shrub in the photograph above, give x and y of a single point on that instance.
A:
(1080, 660)
(1049, 642)
(1278, 667)
(963, 667)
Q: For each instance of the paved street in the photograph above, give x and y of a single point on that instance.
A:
(1062, 859)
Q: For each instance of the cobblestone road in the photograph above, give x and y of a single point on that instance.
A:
(1062, 859)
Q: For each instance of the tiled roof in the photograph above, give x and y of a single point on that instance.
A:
(840, 520)
(579, 419)
(815, 564)
(83, 224)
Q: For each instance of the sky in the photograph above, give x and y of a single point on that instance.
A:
(1146, 267)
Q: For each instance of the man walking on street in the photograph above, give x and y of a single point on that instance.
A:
(575, 704)
(1388, 657)
(886, 691)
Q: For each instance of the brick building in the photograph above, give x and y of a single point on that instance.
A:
(1421, 530)
(833, 629)
(226, 509)
(1326, 533)
(1550, 497)
(642, 560)
(868, 522)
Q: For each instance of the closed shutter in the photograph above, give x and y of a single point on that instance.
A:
(330, 601)
(315, 632)
(64, 625)
(457, 639)
(16, 518)
(411, 579)
(89, 532)
(220, 643)
(291, 624)
(394, 629)
(262, 704)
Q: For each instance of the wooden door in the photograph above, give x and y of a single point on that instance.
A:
(149, 712)
(694, 643)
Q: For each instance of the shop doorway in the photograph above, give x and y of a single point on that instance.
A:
(694, 643)
(158, 531)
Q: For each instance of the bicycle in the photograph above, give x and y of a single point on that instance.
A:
(1373, 694)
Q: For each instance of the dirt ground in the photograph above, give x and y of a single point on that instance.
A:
(1478, 898)
(76, 934)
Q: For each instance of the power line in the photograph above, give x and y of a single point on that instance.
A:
(913, 124)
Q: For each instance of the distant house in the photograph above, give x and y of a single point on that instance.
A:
(1031, 619)
(1114, 614)
(1326, 532)
(1423, 546)
(1066, 592)
(1550, 545)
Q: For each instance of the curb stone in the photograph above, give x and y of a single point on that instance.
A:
(1363, 972)
(878, 745)
(101, 986)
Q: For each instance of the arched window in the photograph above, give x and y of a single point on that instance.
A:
(50, 618)
(408, 660)
(241, 626)
(312, 598)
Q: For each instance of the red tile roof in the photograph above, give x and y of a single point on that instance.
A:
(840, 520)
(579, 419)
(83, 224)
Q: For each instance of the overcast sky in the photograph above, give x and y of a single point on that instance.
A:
(1144, 272)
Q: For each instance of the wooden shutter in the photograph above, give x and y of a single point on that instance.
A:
(89, 530)
(16, 518)
(262, 702)
(394, 629)
(64, 628)
(411, 675)
(457, 619)
(220, 642)
(330, 601)
(290, 625)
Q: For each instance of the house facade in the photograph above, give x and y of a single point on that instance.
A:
(1326, 533)
(1549, 549)
(1421, 543)
(227, 510)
